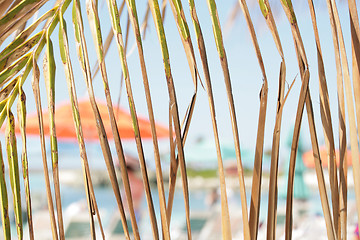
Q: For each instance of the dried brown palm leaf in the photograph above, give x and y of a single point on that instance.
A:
(4, 6)
(159, 175)
(107, 43)
(327, 125)
(8, 73)
(14, 175)
(294, 146)
(14, 4)
(36, 90)
(342, 127)
(272, 205)
(12, 56)
(21, 37)
(355, 46)
(4, 200)
(49, 69)
(224, 64)
(89, 189)
(125, 48)
(183, 30)
(21, 112)
(4, 93)
(173, 163)
(17, 16)
(95, 27)
(349, 100)
(257, 171)
(155, 10)
(303, 67)
(84, 61)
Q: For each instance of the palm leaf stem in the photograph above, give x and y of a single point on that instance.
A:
(256, 183)
(303, 66)
(21, 112)
(159, 176)
(118, 36)
(11, 150)
(84, 61)
(183, 30)
(65, 56)
(350, 104)
(4, 201)
(327, 125)
(154, 7)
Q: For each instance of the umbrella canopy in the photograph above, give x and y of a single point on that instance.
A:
(308, 158)
(65, 128)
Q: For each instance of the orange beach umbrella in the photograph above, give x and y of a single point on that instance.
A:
(65, 128)
(309, 161)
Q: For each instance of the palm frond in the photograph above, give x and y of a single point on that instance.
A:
(26, 39)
